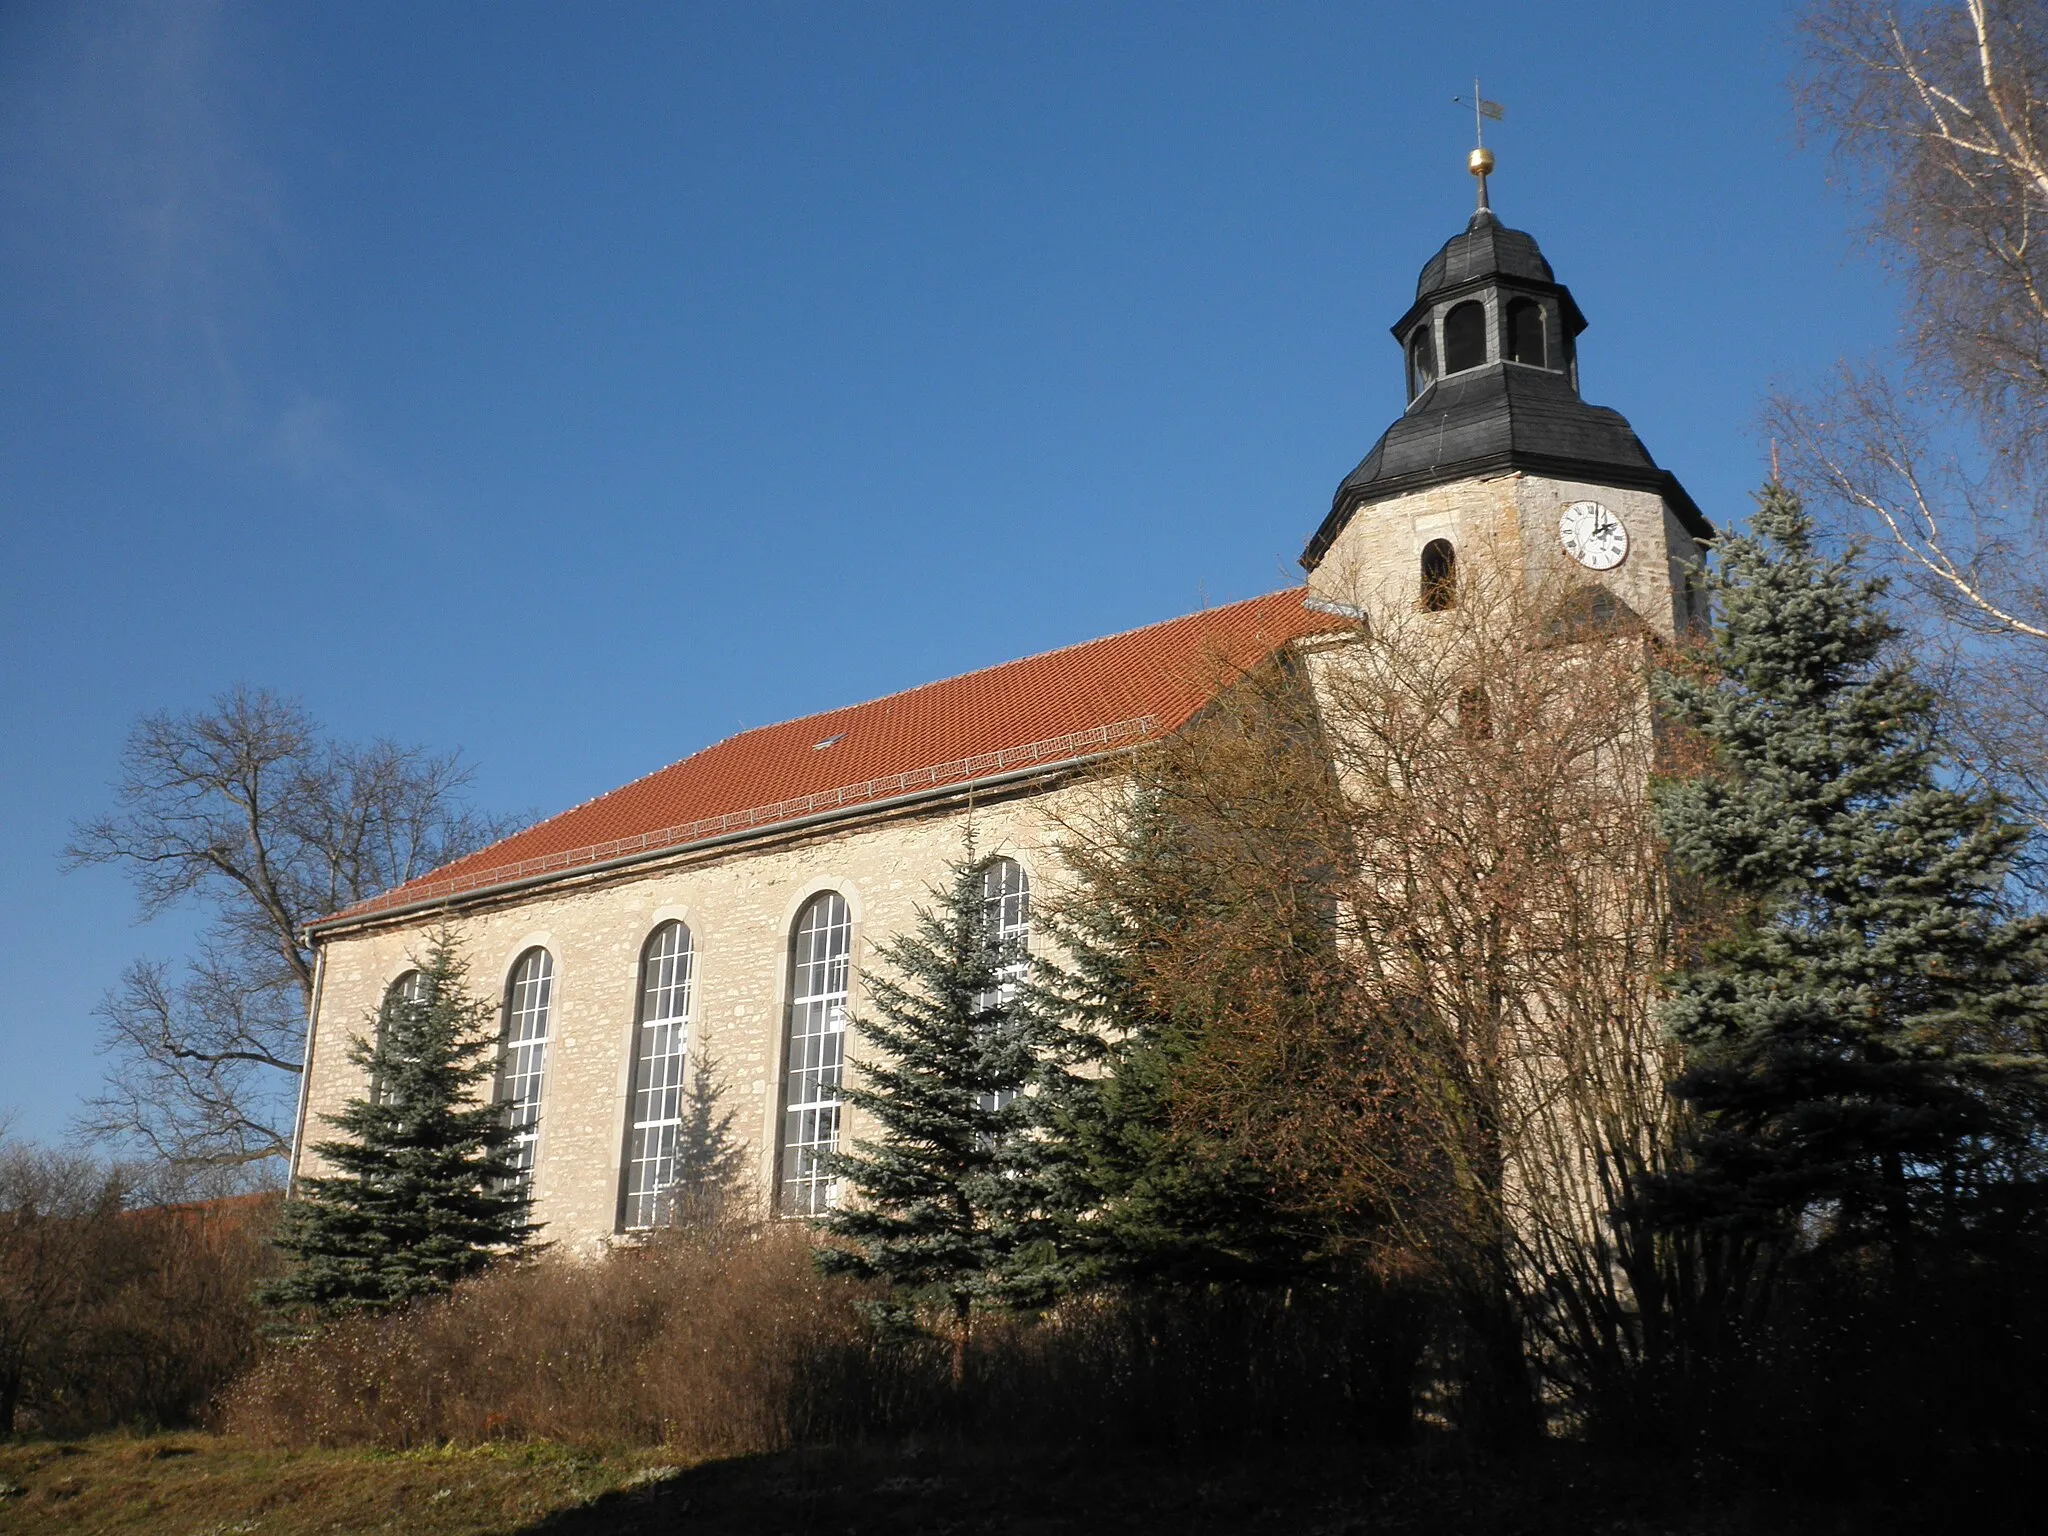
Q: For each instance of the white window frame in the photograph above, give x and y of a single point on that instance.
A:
(523, 1053)
(1006, 919)
(661, 1056)
(411, 987)
(814, 1054)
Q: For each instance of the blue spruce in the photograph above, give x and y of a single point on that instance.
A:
(945, 1205)
(425, 1191)
(1865, 1047)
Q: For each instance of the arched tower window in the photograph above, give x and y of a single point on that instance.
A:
(1006, 920)
(661, 1045)
(523, 1052)
(1464, 336)
(1525, 333)
(1439, 576)
(1421, 360)
(814, 1052)
(409, 988)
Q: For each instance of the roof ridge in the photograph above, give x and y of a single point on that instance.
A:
(478, 857)
(853, 796)
(997, 666)
(1136, 629)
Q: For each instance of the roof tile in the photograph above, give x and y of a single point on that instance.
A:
(1119, 690)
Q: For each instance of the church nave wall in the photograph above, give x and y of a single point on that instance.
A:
(740, 907)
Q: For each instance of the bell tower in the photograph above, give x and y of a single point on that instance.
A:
(1497, 460)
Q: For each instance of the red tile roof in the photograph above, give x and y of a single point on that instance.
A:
(1042, 710)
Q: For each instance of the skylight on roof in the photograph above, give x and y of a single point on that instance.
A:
(829, 741)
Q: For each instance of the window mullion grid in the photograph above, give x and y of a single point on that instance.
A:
(820, 972)
(660, 1063)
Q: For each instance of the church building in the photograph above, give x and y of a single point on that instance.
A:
(735, 899)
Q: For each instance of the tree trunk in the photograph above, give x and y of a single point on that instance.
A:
(1500, 1389)
(10, 1398)
(963, 1319)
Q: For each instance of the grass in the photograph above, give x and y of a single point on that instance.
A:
(1325, 1491)
(203, 1485)
(206, 1485)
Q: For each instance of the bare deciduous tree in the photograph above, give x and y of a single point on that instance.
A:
(1419, 912)
(1938, 116)
(248, 809)
(1213, 883)
(119, 1302)
(55, 1211)
(1498, 760)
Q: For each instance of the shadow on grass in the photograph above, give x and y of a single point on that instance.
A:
(1427, 1492)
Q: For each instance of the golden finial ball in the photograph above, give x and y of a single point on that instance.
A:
(1479, 162)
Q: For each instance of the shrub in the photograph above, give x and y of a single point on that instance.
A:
(115, 1315)
(1185, 1367)
(731, 1342)
(695, 1340)
(1858, 1371)
(183, 1322)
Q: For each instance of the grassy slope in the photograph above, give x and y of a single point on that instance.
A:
(206, 1486)
(171, 1485)
(1324, 1492)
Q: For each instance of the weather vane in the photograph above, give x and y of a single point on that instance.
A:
(1480, 161)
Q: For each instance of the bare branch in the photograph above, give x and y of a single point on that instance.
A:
(1938, 117)
(1418, 910)
(248, 809)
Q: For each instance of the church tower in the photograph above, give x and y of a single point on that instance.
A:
(1498, 460)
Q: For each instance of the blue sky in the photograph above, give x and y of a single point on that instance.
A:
(578, 385)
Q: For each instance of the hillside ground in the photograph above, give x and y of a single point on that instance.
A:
(199, 1485)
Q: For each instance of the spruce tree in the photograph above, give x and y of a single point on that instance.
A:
(426, 1191)
(945, 1204)
(707, 1180)
(1140, 1193)
(1865, 1052)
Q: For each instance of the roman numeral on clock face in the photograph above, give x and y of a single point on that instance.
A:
(1592, 535)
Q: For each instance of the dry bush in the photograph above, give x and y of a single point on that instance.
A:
(182, 1323)
(1183, 1367)
(733, 1344)
(705, 1342)
(113, 1315)
(58, 1215)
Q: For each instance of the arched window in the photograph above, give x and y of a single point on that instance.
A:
(813, 1053)
(1525, 332)
(1439, 576)
(1475, 712)
(523, 1052)
(1464, 336)
(1421, 361)
(661, 1045)
(1006, 920)
(409, 988)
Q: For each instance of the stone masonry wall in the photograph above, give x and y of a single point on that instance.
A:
(1376, 563)
(740, 906)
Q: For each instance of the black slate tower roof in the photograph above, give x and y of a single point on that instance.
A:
(1486, 248)
(1497, 416)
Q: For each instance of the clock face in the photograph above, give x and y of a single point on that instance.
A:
(1592, 535)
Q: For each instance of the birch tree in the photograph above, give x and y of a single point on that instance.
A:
(1937, 117)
